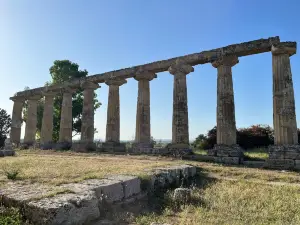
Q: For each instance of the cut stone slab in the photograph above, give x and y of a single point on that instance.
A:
(280, 164)
(105, 189)
(15, 194)
(88, 200)
(131, 184)
(66, 209)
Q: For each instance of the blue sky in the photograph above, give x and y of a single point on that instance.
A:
(106, 35)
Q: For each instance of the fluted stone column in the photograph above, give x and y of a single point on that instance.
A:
(65, 130)
(284, 115)
(113, 116)
(87, 126)
(285, 153)
(47, 121)
(16, 121)
(180, 124)
(226, 126)
(30, 128)
(143, 128)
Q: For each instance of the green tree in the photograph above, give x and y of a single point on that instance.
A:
(5, 123)
(61, 71)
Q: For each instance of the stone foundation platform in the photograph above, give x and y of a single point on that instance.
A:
(89, 201)
(146, 148)
(82, 146)
(4, 153)
(233, 154)
(283, 157)
(113, 147)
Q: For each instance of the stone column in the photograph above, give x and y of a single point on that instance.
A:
(87, 126)
(65, 130)
(47, 122)
(113, 115)
(16, 121)
(143, 128)
(180, 124)
(30, 129)
(226, 126)
(284, 115)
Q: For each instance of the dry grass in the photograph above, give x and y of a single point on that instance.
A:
(239, 202)
(65, 167)
(244, 173)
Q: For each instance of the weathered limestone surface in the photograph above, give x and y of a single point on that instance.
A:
(285, 152)
(143, 127)
(47, 122)
(90, 199)
(226, 128)
(285, 125)
(65, 130)
(242, 49)
(113, 111)
(16, 121)
(180, 123)
(87, 127)
(30, 129)
(8, 149)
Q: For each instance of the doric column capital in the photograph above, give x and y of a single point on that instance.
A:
(230, 60)
(116, 82)
(17, 99)
(89, 85)
(68, 90)
(180, 68)
(144, 75)
(281, 48)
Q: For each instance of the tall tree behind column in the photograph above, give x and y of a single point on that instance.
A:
(61, 71)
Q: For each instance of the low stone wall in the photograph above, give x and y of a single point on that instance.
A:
(89, 200)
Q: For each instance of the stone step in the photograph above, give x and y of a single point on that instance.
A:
(89, 200)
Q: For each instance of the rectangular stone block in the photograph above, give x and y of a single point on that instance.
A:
(228, 160)
(297, 164)
(255, 164)
(131, 184)
(106, 189)
(113, 147)
(291, 155)
(63, 209)
(282, 164)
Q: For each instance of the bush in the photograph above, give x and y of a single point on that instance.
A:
(256, 136)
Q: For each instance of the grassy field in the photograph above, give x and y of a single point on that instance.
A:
(65, 167)
(222, 195)
(232, 202)
(234, 195)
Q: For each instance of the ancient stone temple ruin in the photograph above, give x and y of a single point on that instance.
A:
(286, 150)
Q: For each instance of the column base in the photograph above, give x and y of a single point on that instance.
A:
(63, 145)
(179, 149)
(6, 152)
(84, 146)
(145, 148)
(47, 145)
(283, 157)
(27, 145)
(228, 154)
(111, 146)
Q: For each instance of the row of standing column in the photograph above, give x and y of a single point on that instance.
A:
(284, 116)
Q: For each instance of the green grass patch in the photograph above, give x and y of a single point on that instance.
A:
(234, 202)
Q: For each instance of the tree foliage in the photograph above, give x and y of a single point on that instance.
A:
(61, 71)
(5, 123)
(255, 136)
